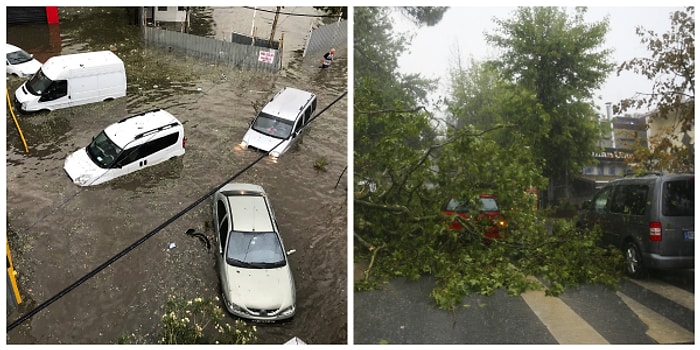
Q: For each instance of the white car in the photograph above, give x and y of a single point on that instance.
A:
(280, 123)
(256, 280)
(129, 145)
(19, 62)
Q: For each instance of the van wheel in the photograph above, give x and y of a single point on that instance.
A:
(633, 259)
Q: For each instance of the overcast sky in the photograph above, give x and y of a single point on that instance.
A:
(462, 30)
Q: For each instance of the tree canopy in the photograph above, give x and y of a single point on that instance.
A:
(559, 58)
(671, 66)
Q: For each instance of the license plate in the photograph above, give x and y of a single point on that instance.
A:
(689, 235)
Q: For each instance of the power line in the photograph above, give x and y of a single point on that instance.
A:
(152, 233)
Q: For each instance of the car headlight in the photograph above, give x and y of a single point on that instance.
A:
(288, 311)
(274, 154)
(233, 307)
(83, 180)
(244, 145)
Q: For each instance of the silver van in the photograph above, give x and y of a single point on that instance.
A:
(280, 123)
(651, 218)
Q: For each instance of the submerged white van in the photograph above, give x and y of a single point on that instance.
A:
(131, 144)
(72, 80)
(279, 124)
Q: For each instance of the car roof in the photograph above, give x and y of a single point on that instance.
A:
(136, 126)
(249, 208)
(287, 103)
(653, 177)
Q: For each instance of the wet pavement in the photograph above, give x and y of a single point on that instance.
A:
(58, 231)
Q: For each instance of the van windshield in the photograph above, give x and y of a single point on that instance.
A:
(678, 198)
(38, 84)
(273, 126)
(103, 151)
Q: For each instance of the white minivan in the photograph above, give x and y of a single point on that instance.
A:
(72, 80)
(131, 144)
(280, 123)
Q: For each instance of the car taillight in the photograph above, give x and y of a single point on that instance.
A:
(655, 231)
(184, 141)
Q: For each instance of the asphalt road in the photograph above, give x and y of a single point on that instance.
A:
(640, 312)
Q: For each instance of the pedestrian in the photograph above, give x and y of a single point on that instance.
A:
(327, 58)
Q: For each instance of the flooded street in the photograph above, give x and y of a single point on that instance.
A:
(58, 232)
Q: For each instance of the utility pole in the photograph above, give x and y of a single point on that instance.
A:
(274, 26)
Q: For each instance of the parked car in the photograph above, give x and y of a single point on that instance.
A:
(256, 280)
(129, 145)
(495, 226)
(651, 218)
(19, 62)
(72, 80)
(280, 123)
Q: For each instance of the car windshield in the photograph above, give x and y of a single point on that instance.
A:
(272, 126)
(18, 57)
(254, 250)
(103, 151)
(678, 199)
(38, 83)
(459, 206)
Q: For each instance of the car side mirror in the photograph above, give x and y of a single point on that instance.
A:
(291, 251)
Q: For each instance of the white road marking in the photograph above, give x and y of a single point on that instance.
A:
(679, 296)
(565, 325)
(661, 329)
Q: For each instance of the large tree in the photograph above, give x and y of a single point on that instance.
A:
(558, 57)
(405, 170)
(672, 68)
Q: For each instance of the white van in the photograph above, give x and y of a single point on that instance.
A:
(131, 144)
(72, 80)
(279, 124)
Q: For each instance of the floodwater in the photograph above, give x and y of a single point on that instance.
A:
(59, 232)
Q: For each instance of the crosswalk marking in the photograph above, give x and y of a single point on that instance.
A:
(679, 296)
(565, 325)
(661, 329)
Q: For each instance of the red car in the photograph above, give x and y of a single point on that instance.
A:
(496, 226)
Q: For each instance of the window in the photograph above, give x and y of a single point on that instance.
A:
(158, 144)
(103, 151)
(307, 116)
(678, 198)
(127, 157)
(299, 123)
(601, 200)
(254, 249)
(630, 199)
(223, 225)
(58, 89)
(162, 8)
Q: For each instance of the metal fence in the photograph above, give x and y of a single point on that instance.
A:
(325, 37)
(231, 54)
